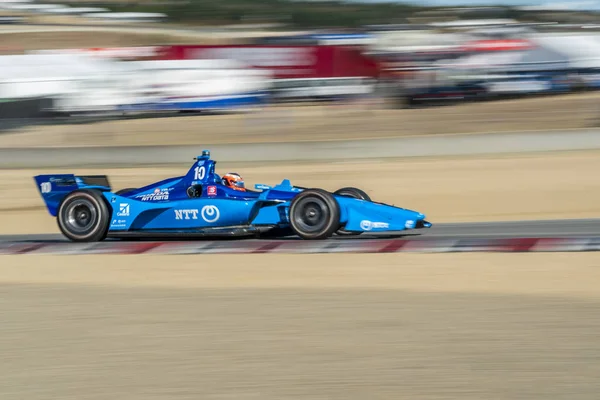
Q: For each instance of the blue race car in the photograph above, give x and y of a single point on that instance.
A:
(200, 205)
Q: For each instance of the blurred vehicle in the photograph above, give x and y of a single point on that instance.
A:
(201, 204)
(460, 91)
(6, 20)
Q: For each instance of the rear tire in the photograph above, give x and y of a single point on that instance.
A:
(84, 216)
(355, 194)
(314, 214)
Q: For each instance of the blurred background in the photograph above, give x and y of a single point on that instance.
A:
(85, 61)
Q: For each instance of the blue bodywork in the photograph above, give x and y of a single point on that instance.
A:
(166, 207)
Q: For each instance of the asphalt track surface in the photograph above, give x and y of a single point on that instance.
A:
(570, 228)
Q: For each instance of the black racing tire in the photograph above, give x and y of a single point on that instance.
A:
(314, 214)
(122, 191)
(84, 216)
(356, 194)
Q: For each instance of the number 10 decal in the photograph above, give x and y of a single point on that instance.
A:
(46, 187)
(199, 173)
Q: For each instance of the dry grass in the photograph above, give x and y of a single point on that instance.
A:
(26, 41)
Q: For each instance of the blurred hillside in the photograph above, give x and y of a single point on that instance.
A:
(317, 13)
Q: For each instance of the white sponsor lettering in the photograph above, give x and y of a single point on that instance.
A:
(210, 213)
(368, 225)
(410, 224)
(123, 210)
(159, 194)
(186, 214)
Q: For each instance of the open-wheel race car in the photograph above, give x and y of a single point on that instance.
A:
(201, 204)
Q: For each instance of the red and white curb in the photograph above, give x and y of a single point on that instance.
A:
(299, 246)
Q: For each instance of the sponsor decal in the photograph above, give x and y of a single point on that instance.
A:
(159, 194)
(368, 225)
(211, 190)
(410, 224)
(260, 186)
(186, 214)
(210, 214)
(123, 210)
(64, 181)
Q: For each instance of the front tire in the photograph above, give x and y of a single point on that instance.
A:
(355, 194)
(314, 214)
(84, 216)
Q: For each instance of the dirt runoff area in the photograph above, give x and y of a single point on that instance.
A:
(347, 327)
(465, 189)
(16, 43)
(357, 120)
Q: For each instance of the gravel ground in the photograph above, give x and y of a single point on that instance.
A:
(300, 327)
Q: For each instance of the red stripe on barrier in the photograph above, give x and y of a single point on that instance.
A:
(267, 248)
(123, 248)
(30, 248)
(300, 246)
(144, 247)
(393, 246)
(520, 245)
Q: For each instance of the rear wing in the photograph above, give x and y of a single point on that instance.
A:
(54, 188)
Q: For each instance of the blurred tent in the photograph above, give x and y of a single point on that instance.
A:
(581, 51)
(547, 53)
(83, 83)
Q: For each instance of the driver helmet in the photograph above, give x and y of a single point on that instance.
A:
(234, 181)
